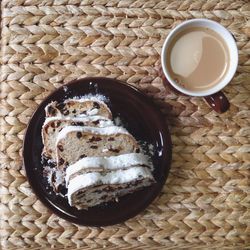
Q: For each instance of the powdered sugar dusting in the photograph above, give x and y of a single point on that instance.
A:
(55, 178)
(97, 97)
(65, 88)
(59, 177)
(147, 148)
(108, 163)
(103, 121)
(114, 177)
(48, 172)
(92, 112)
(151, 149)
(118, 121)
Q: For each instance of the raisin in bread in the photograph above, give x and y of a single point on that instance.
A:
(91, 189)
(74, 143)
(53, 125)
(78, 107)
(106, 164)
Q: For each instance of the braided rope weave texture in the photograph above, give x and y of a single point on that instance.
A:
(44, 44)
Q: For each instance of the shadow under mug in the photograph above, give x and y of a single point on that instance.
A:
(214, 97)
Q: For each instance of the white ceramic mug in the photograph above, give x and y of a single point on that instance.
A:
(215, 98)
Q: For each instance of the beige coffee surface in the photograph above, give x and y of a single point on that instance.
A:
(45, 44)
(198, 58)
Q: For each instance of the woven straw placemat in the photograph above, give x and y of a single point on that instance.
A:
(205, 202)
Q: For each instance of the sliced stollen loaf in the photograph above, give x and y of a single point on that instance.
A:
(53, 125)
(74, 143)
(91, 189)
(106, 164)
(78, 107)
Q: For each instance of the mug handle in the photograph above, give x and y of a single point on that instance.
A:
(218, 102)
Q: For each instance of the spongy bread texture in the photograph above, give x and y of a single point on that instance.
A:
(74, 143)
(53, 125)
(78, 107)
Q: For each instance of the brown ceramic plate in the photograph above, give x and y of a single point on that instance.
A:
(143, 121)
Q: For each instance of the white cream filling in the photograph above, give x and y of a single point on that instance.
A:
(108, 163)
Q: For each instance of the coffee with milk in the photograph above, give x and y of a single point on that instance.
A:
(197, 58)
